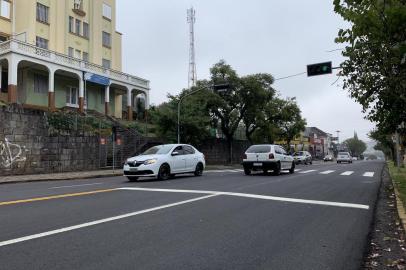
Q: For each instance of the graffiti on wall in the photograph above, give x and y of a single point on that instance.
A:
(11, 153)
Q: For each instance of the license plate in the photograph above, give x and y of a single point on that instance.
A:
(133, 169)
(257, 164)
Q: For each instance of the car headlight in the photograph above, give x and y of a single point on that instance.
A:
(150, 161)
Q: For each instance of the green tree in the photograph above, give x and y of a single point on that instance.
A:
(256, 93)
(290, 121)
(384, 142)
(195, 120)
(227, 108)
(355, 145)
(375, 67)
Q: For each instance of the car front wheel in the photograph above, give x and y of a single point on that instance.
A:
(247, 171)
(164, 172)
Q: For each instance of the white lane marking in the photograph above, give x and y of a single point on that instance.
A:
(100, 221)
(255, 196)
(327, 172)
(368, 174)
(76, 186)
(347, 173)
(308, 171)
(298, 170)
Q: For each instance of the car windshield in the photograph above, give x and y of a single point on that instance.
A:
(259, 149)
(343, 154)
(158, 150)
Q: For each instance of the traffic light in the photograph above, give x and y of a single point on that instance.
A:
(319, 69)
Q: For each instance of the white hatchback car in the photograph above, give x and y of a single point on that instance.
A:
(344, 157)
(164, 161)
(267, 157)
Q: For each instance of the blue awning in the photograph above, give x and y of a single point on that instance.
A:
(96, 79)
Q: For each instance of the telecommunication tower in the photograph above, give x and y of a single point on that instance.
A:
(191, 19)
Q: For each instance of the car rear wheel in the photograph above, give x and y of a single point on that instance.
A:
(292, 168)
(277, 169)
(132, 178)
(199, 169)
(164, 172)
(247, 171)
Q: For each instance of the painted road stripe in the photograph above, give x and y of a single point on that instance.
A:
(255, 196)
(96, 222)
(327, 172)
(347, 173)
(83, 185)
(308, 171)
(298, 170)
(56, 197)
(369, 174)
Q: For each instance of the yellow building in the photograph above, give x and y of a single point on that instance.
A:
(65, 53)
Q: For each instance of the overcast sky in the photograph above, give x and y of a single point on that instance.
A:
(257, 36)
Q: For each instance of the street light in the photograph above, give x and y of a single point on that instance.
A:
(217, 87)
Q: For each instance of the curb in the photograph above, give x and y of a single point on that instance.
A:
(58, 178)
(400, 207)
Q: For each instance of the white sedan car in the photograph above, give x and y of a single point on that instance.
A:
(164, 161)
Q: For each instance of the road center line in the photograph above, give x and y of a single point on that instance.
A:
(56, 197)
(255, 196)
(72, 186)
(100, 221)
(369, 174)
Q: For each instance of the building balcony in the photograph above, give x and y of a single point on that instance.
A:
(86, 79)
(30, 50)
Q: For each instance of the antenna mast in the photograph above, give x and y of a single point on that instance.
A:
(191, 19)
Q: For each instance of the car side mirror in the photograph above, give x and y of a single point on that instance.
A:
(175, 153)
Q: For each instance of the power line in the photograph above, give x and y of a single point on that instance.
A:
(290, 76)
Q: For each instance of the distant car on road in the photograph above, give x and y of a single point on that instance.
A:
(328, 158)
(303, 157)
(354, 158)
(344, 157)
(164, 161)
(267, 157)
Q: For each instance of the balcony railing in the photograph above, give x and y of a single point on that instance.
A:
(63, 59)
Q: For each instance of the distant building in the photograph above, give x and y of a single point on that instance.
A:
(65, 53)
(320, 142)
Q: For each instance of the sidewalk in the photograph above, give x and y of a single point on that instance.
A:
(84, 174)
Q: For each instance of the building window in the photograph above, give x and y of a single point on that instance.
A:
(106, 39)
(85, 56)
(42, 13)
(40, 84)
(71, 24)
(78, 54)
(106, 63)
(106, 11)
(72, 94)
(5, 9)
(77, 26)
(70, 51)
(85, 30)
(42, 43)
(3, 38)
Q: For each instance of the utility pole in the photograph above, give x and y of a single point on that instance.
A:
(191, 19)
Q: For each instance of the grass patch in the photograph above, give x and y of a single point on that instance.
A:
(399, 178)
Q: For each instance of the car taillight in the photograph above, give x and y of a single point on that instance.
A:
(271, 156)
(244, 156)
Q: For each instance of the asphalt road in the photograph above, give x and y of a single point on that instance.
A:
(317, 218)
